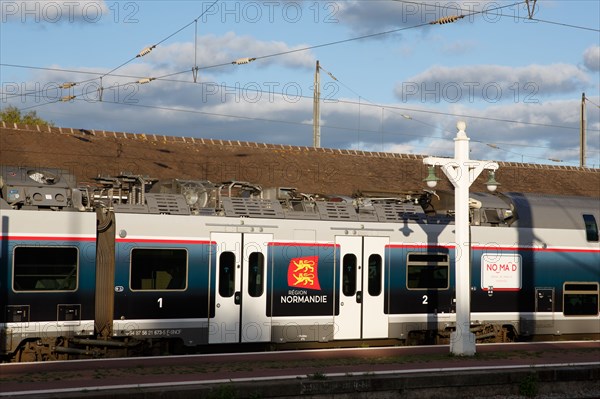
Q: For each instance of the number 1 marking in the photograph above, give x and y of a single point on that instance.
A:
(159, 302)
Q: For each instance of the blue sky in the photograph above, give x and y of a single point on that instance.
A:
(516, 81)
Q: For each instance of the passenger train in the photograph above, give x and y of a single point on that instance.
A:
(130, 265)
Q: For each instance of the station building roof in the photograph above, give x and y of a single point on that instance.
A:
(92, 153)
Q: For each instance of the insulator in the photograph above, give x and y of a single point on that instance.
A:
(145, 80)
(67, 85)
(241, 61)
(447, 20)
(145, 51)
(67, 98)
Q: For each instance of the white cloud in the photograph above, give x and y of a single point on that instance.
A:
(377, 16)
(211, 110)
(459, 47)
(212, 50)
(491, 83)
(591, 58)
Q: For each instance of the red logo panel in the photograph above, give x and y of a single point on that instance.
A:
(303, 273)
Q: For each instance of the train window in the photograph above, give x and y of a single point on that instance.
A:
(591, 228)
(226, 274)
(349, 275)
(580, 299)
(374, 275)
(45, 269)
(158, 269)
(256, 268)
(427, 271)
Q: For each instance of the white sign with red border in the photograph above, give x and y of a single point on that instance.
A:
(501, 272)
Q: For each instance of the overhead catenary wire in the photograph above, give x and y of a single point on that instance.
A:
(496, 147)
(240, 117)
(290, 51)
(150, 48)
(137, 79)
(249, 59)
(589, 100)
(143, 80)
(492, 11)
(371, 103)
(408, 117)
(294, 123)
(350, 102)
(146, 80)
(253, 118)
(235, 62)
(196, 68)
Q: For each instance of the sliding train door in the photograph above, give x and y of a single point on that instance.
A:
(240, 292)
(362, 277)
(255, 325)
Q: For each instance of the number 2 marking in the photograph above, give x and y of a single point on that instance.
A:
(424, 300)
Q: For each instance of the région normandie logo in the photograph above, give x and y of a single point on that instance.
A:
(303, 273)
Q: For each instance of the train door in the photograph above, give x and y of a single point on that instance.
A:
(255, 325)
(362, 277)
(240, 292)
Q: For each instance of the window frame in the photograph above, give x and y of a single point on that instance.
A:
(577, 288)
(252, 277)
(591, 227)
(166, 289)
(423, 263)
(352, 274)
(375, 290)
(231, 280)
(45, 247)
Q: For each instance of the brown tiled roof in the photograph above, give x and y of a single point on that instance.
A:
(89, 153)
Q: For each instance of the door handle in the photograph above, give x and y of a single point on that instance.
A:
(237, 298)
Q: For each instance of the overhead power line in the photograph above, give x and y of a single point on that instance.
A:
(150, 48)
(589, 100)
(147, 50)
(492, 11)
(138, 80)
(288, 122)
(246, 60)
(417, 136)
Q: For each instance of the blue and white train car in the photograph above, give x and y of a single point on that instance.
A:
(47, 260)
(137, 266)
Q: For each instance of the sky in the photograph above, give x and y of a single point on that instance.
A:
(389, 79)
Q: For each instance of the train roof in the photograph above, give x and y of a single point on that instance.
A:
(552, 211)
(34, 188)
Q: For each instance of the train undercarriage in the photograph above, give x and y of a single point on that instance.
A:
(84, 347)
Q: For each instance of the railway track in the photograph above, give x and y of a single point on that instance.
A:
(355, 366)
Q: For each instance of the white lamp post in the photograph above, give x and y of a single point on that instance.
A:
(462, 172)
